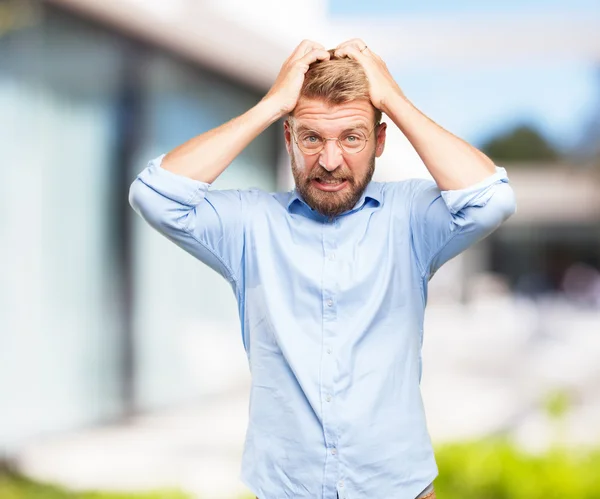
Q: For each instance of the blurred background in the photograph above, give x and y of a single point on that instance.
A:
(121, 361)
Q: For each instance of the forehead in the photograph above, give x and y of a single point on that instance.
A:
(318, 115)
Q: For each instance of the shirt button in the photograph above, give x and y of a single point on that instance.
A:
(329, 350)
(341, 483)
(334, 451)
(328, 398)
(332, 256)
(329, 302)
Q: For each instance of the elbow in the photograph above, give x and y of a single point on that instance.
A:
(159, 211)
(501, 206)
(486, 218)
(137, 196)
(145, 202)
(506, 202)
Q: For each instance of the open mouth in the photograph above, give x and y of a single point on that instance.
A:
(330, 184)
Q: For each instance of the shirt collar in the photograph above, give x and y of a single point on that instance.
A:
(372, 192)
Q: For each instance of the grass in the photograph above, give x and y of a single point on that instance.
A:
(15, 486)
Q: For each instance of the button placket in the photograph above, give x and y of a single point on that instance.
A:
(329, 288)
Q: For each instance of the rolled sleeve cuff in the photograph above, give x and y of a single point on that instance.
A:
(475, 195)
(181, 189)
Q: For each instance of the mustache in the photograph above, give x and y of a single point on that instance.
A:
(325, 175)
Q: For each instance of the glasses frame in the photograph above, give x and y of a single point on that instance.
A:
(325, 139)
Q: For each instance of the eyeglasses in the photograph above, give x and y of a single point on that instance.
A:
(351, 142)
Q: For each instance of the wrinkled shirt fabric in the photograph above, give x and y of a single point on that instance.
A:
(331, 313)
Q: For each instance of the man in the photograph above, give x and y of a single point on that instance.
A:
(331, 278)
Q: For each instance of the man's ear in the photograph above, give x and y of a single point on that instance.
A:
(380, 138)
(287, 134)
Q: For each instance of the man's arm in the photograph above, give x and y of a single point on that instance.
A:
(452, 162)
(206, 156)
(445, 223)
(470, 197)
(172, 193)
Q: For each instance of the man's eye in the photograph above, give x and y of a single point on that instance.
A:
(311, 139)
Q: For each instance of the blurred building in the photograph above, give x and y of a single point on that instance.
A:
(99, 314)
(556, 229)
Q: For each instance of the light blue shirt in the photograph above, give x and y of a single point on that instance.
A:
(331, 314)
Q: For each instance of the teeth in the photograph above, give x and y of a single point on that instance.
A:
(330, 181)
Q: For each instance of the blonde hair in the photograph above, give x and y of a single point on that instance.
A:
(337, 81)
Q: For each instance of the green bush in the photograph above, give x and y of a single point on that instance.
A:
(495, 469)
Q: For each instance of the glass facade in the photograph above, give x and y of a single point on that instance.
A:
(536, 259)
(98, 312)
(185, 315)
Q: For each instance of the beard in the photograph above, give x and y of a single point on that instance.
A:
(331, 204)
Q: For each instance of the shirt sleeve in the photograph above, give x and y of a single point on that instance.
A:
(207, 224)
(445, 223)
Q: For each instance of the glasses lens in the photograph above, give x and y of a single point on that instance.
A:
(310, 141)
(353, 142)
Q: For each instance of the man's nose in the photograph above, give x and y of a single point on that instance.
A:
(331, 156)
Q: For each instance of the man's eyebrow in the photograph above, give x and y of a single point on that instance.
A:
(302, 128)
(353, 126)
(358, 126)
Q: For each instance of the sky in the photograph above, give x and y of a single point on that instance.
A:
(476, 104)
(386, 7)
(558, 98)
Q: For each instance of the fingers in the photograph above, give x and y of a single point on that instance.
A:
(316, 54)
(305, 47)
(354, 49)
(356, 43)
(351, 51)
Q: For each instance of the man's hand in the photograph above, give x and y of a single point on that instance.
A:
(382, 87)
(286, 89)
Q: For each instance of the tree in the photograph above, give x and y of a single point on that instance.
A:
(523, 143)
